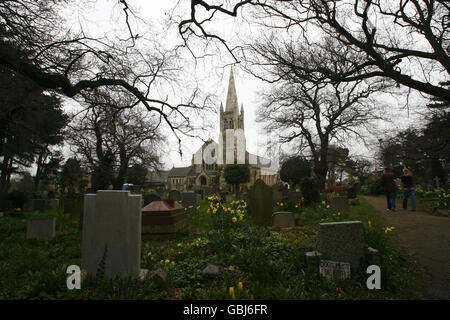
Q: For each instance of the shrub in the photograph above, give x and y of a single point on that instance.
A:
(310, 190)
(18, 198)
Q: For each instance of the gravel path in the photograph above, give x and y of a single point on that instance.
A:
(424, 237)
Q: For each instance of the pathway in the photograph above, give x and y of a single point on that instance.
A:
(427, 239)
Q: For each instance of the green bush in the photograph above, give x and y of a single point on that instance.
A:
(310, 190)
(18, 198)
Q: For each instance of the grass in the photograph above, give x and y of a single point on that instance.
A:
(257, 262)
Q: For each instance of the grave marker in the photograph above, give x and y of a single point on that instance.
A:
(342, 241)
(112, 233)
(41, 228)
(339, 204)
(283, 219)
(333, 270)
(260, 203)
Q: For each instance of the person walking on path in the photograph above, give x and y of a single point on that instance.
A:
(388, 183)
(408, 189)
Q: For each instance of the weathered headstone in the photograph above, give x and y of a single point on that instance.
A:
(283, 219)
(28, 206)
(228, 198)
(334, 270)
(244, 196)
(147, 198)
(190, 199)
(313, 259)
(39, 205)
(174, 195)
(294, 197)
(53, 203)
(339, 204)
(112, 233)
(277, 196)
(342, 242)
(260, 203)
(41, 228)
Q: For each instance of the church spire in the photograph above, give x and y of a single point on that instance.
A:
(232, 104)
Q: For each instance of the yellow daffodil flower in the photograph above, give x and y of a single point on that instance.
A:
(240, 286)
(231, 292)
(234, 219)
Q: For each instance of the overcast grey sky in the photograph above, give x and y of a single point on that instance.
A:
(107, 18)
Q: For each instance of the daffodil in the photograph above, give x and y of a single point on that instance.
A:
(167, 261)
(234, 219)
(240, 286)
(370, 224)
(328, 206)
(323, 202)
(231, 292)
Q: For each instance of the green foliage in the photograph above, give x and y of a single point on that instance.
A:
(71, 175)
(236, 174)
(137, 175)
(310, 190)
(294, 170)
(267, 262)
(18, 198)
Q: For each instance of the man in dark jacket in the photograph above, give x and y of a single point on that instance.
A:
(388, 183)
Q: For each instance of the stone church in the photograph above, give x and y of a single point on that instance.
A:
(207, 166)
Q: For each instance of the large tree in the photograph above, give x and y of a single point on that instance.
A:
(402, 40)
(307, 111)
(70, 59)
(30, 122)
(111, 138)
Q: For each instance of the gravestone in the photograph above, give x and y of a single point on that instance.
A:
(283, 219)
(174, 195)
(333, 270)
(342, 242)
(112, 233)
(228, 198)
(244, 196)
(41, 228)
(260, 203)
(277, 196)
(200, 192)
(28, 206)
(39, 205)
(53, 203)
(190, 199)
(147, 198)
(294, 197)
(339, 204)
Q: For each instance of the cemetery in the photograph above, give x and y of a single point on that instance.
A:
(224, 150)
(127, 250)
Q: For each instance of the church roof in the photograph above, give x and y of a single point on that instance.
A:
(179, 172)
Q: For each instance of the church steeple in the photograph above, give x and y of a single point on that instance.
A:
(232, 103)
